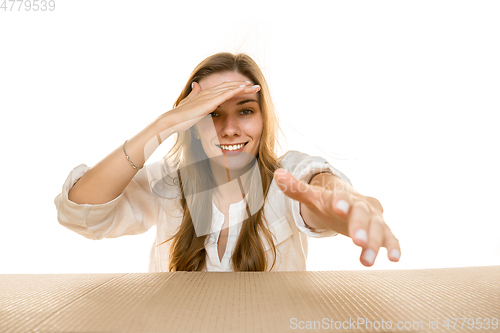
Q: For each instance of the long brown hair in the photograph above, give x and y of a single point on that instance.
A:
(187, 250)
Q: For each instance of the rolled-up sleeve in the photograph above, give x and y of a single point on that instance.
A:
(304, 167)
(133, 212)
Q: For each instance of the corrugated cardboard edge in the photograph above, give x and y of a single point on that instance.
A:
(250, 301)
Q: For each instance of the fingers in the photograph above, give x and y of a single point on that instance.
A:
(225, 91)
(359, 219)
(230, 86)
(343, 198)
(227, 94)
(378, 236)
(367, 229)
(392, 245)
(245, 86)
(362, 216)
(295, 188)
(375, 241)
(208, 99)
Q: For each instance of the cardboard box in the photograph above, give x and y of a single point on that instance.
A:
(425, 300)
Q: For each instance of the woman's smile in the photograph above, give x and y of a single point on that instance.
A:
(232, 149)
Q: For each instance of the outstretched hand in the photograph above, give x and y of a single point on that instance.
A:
(337, 206)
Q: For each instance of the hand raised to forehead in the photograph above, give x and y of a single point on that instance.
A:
(200, 103)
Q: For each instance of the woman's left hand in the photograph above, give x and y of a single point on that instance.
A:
(337, 206)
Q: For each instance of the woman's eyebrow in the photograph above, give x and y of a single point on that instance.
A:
(246, 101)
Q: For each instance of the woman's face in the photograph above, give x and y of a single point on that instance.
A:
(236, 121)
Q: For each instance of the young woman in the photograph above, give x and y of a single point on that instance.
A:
(221, 199)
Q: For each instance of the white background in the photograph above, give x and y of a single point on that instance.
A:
(403, 97)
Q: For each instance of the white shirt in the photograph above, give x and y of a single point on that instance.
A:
(137, 209)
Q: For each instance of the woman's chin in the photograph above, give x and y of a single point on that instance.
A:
(233, 162)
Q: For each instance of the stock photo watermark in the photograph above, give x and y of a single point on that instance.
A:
(209, 173)
(27, 5)
(364, 323)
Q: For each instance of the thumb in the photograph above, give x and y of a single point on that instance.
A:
(195, 89)
(294, 188)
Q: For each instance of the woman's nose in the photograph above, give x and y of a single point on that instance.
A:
(230, 126)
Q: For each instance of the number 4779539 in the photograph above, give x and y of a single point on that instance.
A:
(477, 323)
(28, 5)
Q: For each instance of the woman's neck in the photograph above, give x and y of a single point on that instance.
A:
(228, 187)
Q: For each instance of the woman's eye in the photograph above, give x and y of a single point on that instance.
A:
(245, 112)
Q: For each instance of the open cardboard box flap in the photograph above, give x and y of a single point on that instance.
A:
(342, 301)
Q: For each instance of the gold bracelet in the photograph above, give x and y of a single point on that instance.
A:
(128, 158)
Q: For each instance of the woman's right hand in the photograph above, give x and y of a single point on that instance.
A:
(200, 103)
(106, 180)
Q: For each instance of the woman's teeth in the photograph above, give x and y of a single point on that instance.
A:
(233, 147)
